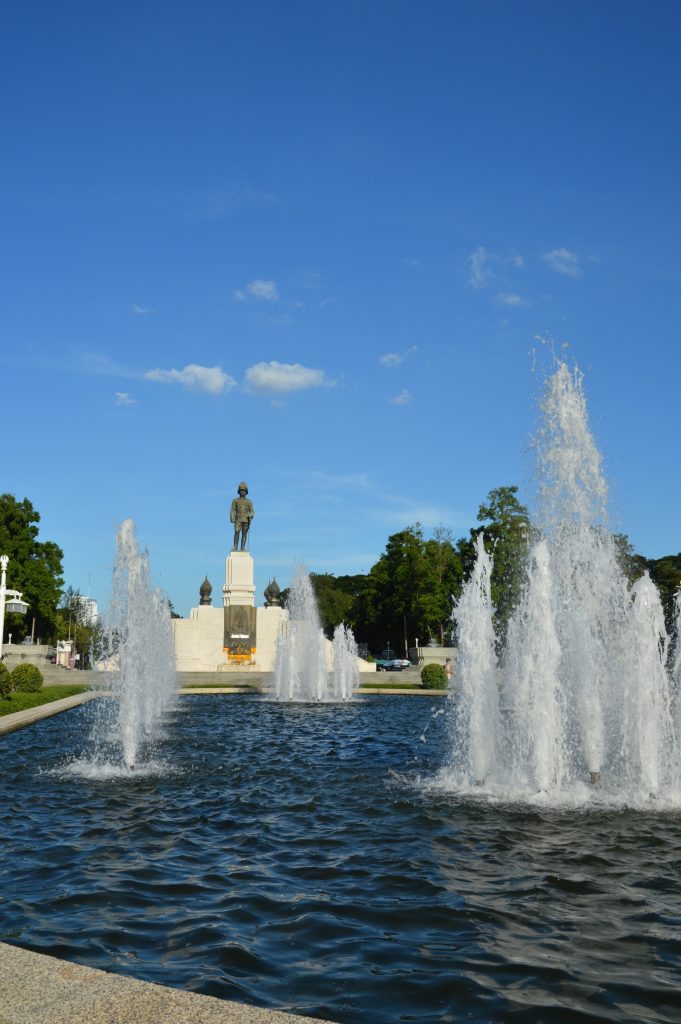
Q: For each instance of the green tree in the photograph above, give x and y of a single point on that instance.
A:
(446, 565)
(337, 598)
(630, 562)
(35, 567)
(73, 622)
(665, 573)
(392, 583)
(408, 592)
(333, 604)
(508, 533)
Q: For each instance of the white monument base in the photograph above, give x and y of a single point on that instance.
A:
(239, 587)
(199, 641)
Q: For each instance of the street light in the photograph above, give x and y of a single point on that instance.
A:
(10, 600)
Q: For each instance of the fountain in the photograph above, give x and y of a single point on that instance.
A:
(345, 674)
(476, 665)
(581, 692)
(301, 672)
(676, 666)
(141, 652)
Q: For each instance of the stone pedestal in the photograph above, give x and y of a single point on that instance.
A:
(239, 588)
(238, 636)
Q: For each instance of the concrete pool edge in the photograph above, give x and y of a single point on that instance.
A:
(19, 719)
(39, 989)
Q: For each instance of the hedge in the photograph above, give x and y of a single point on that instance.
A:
(433, 677)
(26, 678)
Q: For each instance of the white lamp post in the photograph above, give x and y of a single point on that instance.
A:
(10, 600)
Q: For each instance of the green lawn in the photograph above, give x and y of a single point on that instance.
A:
(21, 701)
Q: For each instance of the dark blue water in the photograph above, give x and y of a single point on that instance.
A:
(289, 858)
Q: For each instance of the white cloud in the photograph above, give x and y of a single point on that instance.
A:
(401, 512)
(311, 279)
(411, 263)
(239, 295)
(478, 262)
(487, 267)
(100, 364)
(510, 299)
(123, 398)
(141, 310)
(392, 359)
(263, 290)
(197, 378)
(404, 398)
(563, 261)
(352, 480)
(229, 200)
(284, 377)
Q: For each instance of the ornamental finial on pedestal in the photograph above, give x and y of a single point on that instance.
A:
(205, 591)
(272, 595)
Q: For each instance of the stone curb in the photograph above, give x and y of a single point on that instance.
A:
(39, 989)
(18, 719)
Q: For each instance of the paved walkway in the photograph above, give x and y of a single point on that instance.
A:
(39, 989)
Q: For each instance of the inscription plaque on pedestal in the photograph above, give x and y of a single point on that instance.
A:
(240, 632)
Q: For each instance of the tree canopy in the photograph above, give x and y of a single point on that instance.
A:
(410, 591)
(507, 530)
(665, 573)
(406, 594)
(35, 567)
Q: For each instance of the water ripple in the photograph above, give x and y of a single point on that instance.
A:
(308, 858)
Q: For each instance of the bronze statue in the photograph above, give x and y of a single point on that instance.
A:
(241, 514)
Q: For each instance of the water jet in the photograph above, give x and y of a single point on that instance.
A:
(307, 667)
(140, 661)
(582, 683)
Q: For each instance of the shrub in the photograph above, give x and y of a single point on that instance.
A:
(433, 677)
(5, 680)
(26, 678)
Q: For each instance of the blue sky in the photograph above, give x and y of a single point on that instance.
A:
(313, 245)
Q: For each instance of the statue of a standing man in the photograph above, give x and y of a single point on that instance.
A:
(240, 514)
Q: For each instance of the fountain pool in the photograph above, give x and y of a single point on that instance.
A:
(298, 857)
